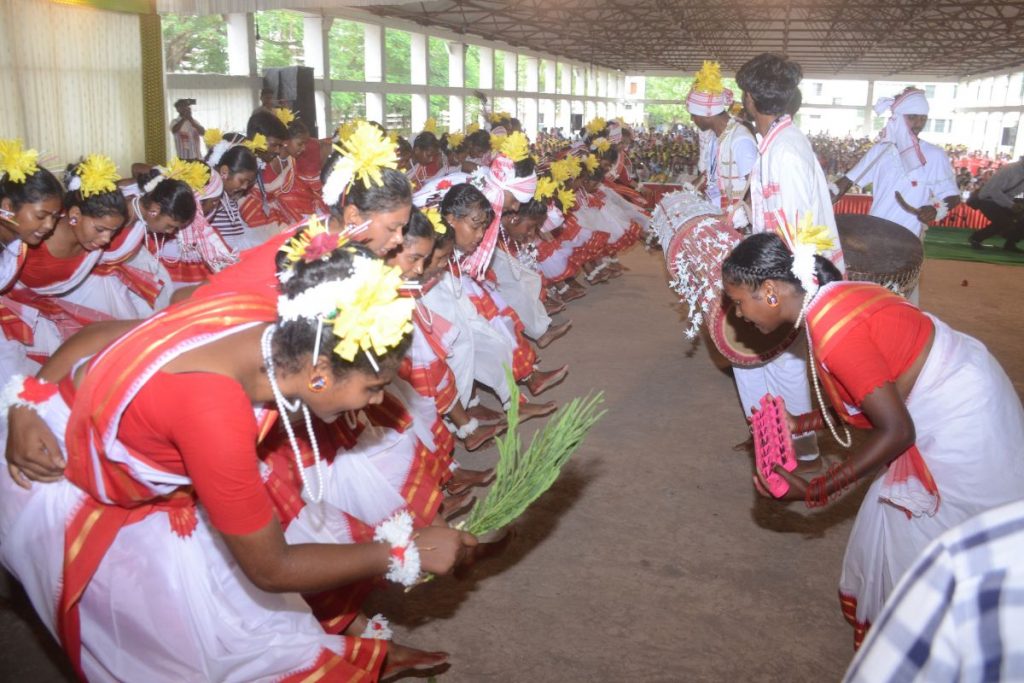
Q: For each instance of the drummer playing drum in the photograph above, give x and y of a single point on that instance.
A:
(912, 180)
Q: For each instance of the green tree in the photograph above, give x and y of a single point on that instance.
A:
(396, 56)
(348, 59)
(280, 41)
(195, 45)
(437, 64)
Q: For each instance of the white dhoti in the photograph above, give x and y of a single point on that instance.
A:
(970, 426)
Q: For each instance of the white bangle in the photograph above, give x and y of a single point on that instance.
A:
(377, 628)
(26, 392)
(468, 428)
(404, 562)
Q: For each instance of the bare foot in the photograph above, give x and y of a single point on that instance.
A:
(463, 479)
(539, 382)
(554, 305)
(554, 332)
(599, 278)
(482, 435)
(453, 506)
(402, 659)
(529, 410)
(484, 415)
(573, 293)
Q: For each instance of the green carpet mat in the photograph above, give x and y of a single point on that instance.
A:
(951, 244)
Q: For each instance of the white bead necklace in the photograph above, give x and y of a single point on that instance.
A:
(814, 375)
(284, 407)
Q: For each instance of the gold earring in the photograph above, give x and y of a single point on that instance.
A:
(317, 383)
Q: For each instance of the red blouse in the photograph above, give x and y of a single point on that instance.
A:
(877, 349)
(202, 425)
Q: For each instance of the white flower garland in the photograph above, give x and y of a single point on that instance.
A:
(322, 300)
(404, 562)
(378, 628)
(217, 152)
(337, 181)
(803, 266)
(10, 396)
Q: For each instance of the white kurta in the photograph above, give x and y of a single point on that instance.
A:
(786, 184)
(520, 287)
(882, 169)
(482, 350)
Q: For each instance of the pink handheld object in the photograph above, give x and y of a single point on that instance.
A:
(773, 444)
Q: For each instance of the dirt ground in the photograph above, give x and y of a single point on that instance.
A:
(652, 558)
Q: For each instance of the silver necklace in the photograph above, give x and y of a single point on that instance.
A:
(284, 407)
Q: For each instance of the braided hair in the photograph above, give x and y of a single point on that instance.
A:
(765, 256)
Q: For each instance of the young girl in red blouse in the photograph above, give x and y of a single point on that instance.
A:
(945, 422)
(162, 542)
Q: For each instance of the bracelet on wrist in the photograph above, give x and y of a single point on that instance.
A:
(25, 392)
(404, 556)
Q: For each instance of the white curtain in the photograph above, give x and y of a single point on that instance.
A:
(71, 81)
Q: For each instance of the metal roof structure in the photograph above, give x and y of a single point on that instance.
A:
(937, 39)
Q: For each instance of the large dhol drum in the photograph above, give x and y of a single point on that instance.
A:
(880, 251)
(696, 238)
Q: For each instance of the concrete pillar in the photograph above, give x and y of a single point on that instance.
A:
(547, 113)
(869, 110)
(456, 79)
(579, 86)
(419, 57)
(511, 72)
(373, 68)
(240, 41)
(486, 68)
(529, 116)
(314, 44)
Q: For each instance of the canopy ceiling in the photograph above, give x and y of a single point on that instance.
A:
(941, 39)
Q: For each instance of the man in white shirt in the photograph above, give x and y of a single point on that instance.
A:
(187, 131)
(787, 188)
(912, 180)
(727, 147)
(900, 161)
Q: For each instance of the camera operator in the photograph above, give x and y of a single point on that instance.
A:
(187, 131)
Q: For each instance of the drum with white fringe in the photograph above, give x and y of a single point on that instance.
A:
(696, 237)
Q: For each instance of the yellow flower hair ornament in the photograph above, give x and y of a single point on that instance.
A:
(810, 240)
(472, 128)
(365, 310)
(564, 169)
(546, 188)
(96, 175)
(455, 139)
(515, 146)
(591, 163)
(313, 242)
(433, 214)
(17, 164)
(601, 145)
(257, 144)
(567, 198)
(212, 136)
(498, 116)
(709, 78)
(195, 174)
(596, 126)
(284, 115)
(347, 128)
(497, 141)
(430, 125)
(365, 154)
